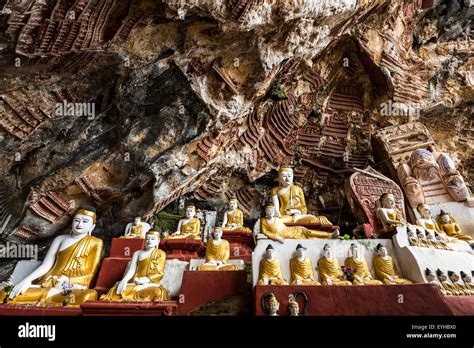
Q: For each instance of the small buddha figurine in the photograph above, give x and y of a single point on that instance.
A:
(441, 238)
(426, 220)
(467, 279)
(271, 305)
(141, 281)
(385, 268)
(446, 284)
(430, 276)
(330, 272)
(412, 238)
(362, 274)
(435, 242)
(389, 216)
(451, 228)
(458, 284)
(301, 269)
(136, 229)
(274, 228)
(294, 308)
(270, 270)
(289, 201)
(189, 227)
(72, 259)
(234, 217)
(217, 254)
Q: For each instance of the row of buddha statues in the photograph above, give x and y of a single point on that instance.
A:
(453, 284)
(330, 270)
(427, 232)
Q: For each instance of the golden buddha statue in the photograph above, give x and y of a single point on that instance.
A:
(141, 280)
(274, 228)
(270, 304)
(69, 265)
(330, 272)
(459, 284)
(136, 229)
(362, 274)
(234, 218)
(446, 284)
(217, 254)
(430, 276)
(270, 270)
(301, 269)
(385, 268)
(450, 227)
(189, 227)
(387, 213)
(467, 279)
(289, 201)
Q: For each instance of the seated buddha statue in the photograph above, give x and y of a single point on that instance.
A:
(458, 283)
(385, 268)
(388, 214)
(301, 268)
(234, 218)
(450, 227)
(442, 240)
(217, 254)
(330, 272)
(426, 221)
(412, 237)
(141, 280)
(430, 276)
(274, 228)
(189, 227)
(136, 229)
(422, 239)
(72, 259)
(467, 279)
(362, 274)
(289, 201)
(446, 284)
(270, 270)
(436, 242)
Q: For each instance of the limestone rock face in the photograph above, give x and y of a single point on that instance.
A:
(136, 106)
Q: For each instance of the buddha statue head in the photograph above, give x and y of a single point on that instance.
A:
(269, 252)
(285, 176)
(328, 252)
(271, 304)
(425, 211)
(355, 251)
(387, 200)
(430, 236)
(84, 221)
(420, 234)
(300, 251)
(137, 221)
(444, 217)
(438, 236)
(233, 204)
(294, 308)
(441, 276)
(453, 276)
(190, 211)
(217, 233)
(381, 250)
(411, 232)
(466, 277)
(430, 275)
(269, 210)
(152, 239)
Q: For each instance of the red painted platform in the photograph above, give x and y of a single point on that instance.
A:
(19, 310)
(125, 247)
(390, 300)
(241, 244)
(110, 272)
(202, 287)
(313, 226)
(109, 308)
(183, 249)
(461, 305)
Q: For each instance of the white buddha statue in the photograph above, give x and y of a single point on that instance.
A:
(389, 216)
(136, 229)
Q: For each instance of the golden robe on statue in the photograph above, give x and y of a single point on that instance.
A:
(386, 267)
(217, 252)
(152, 267)
(330, 268)
(279, 229)
(361, 271)
(453, 230)
(270, 269)
(302, 270)
(79, 262)
(191, 227)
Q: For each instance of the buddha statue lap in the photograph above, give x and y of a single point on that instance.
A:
(217, 254)
(274, 228)
(362, 274)
(136, 229)
(189, 227)
(270, 270)
(385, 268)
(234, 218)
(330, 272)
(430, 276)
(301, 269)
(141, 280)
(69, 266)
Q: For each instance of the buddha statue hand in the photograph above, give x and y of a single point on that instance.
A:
(328, 281)
(280, 239)
(175, 233)
(121, 286)
(298, 282)
(20, 288)
(142, 280)
(266, 281)
(232, 225)
(293, 212)
(359, 279)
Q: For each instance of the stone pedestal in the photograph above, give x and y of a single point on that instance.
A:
(20, 310)
(108, 308)
(241, 244)
(111, 271)
(183, 249)
(125, 247)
